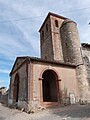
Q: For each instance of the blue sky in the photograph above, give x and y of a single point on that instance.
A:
(21, 38)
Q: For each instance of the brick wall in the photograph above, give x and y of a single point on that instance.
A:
(51, 48)
(46, 41)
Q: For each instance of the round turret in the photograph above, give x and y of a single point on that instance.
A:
(70, 42)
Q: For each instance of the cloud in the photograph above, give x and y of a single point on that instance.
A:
(1, 83)
(85, 29)
(14, 42)
(4, 71)
(4, 83)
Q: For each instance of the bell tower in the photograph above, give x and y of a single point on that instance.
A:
(50, 39)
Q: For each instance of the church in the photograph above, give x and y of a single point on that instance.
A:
(62, 74)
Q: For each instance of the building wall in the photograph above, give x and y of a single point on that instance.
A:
(86, 60)
(56, 38)
(18, 62)
(3, 90)
(46, 41)
(3, 95)
(82, 82)
(23, 86)
(66, 79)
(4, 99)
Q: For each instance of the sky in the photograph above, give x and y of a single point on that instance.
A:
(20, 21)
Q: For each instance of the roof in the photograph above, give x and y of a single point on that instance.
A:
(32, 59)
(53, 62)
(85, 44)
(68, 21)
(52, 14)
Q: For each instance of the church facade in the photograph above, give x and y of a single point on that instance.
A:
(61, 74)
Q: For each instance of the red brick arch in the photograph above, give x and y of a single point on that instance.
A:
(52, 69)
(57, 83)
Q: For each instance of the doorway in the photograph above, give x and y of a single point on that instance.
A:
(50, 87)
(16, 88)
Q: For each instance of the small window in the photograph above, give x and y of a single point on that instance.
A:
(46, 27)
(56, 23)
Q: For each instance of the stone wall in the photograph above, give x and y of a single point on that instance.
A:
(3, 96)
(82, 82)
(23, 86)
(70, 42)
(86, 60)
(4, 99)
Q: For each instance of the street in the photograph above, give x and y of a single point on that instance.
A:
(71, 112)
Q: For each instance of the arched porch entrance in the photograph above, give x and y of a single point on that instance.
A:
(50, 86)
(16, 88)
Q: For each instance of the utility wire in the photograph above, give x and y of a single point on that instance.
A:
(21, 19)
(76, 10)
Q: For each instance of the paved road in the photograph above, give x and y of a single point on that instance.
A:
(72, 112)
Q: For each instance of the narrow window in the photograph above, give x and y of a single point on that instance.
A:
(56, 23)
(66, 44)
(46, 27)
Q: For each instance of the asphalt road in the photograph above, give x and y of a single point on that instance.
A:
(71, 112)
